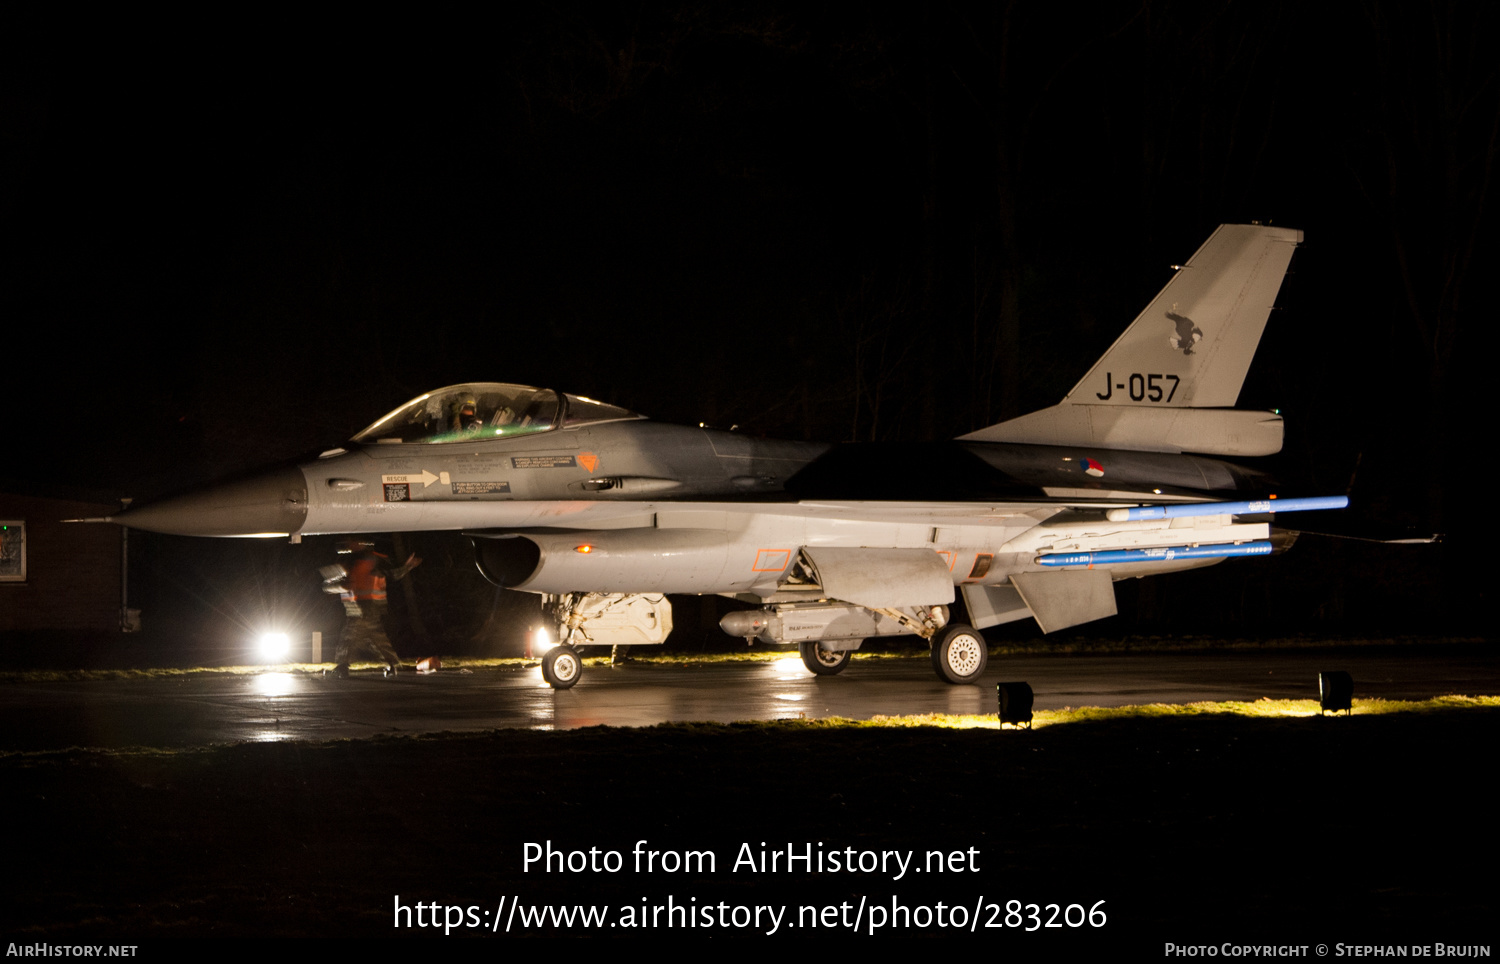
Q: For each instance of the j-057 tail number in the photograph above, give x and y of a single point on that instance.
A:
(1142, 388)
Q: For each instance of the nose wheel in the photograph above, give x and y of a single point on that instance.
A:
(561, 667)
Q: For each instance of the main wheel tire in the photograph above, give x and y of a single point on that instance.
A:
(959, 654)
(824, 662)
(561, 667)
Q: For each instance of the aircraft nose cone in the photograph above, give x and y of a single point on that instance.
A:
(271, 504)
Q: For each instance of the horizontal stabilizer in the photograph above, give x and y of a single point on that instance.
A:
(1364, 531)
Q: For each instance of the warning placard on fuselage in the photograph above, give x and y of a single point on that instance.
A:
(480, 488)
(543, 461)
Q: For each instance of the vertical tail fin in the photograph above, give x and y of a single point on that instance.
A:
(1170, 381)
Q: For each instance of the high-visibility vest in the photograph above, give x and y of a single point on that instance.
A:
(366, 581)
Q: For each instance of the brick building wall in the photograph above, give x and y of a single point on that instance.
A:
(72, 570)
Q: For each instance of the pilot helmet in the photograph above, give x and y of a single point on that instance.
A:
(466, 413)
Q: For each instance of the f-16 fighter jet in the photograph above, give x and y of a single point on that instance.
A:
(603, 512)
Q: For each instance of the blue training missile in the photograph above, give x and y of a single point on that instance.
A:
(1227, 508)
(1163, 554)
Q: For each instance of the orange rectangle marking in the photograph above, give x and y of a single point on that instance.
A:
(771, 560)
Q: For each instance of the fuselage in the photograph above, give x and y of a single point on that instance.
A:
(681, 509)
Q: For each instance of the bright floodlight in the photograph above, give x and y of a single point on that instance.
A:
(274, 646)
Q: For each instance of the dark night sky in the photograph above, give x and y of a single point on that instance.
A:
(232, 242)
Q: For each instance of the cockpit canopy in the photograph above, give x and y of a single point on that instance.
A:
(486, 410)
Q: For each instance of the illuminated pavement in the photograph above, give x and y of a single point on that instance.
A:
(205, 709)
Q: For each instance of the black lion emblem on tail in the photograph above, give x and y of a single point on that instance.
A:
(1187, 334)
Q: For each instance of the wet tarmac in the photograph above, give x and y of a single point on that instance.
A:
(206, 709)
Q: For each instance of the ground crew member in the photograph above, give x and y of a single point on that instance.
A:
(365, 604)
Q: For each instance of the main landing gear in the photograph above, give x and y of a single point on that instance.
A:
(824, 662)
(959, 654)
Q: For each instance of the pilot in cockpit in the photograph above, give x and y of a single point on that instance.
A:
(466, 420)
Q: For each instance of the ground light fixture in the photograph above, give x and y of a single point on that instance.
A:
(1015, 703)
(1336, 691)
(538, 641)
(273, 647)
